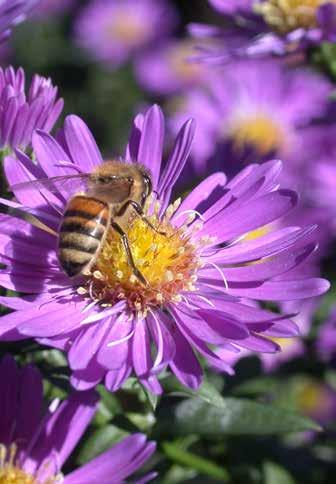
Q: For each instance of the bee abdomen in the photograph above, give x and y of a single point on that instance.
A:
(81, 233)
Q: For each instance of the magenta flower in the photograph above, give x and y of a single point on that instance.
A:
(35, 444)
(254, 110)
(202, 273)
(112, 31)
(21, 113)
(264, 27)
(13, 12)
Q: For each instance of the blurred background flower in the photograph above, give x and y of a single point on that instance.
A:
(114, 30)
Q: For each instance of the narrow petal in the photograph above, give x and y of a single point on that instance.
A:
(117, 463)
(82, 146)
(185, 365)
(151, 143)
(251, 216)
(74, 415)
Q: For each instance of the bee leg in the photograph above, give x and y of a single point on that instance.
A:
(129, 254)
(141, 214)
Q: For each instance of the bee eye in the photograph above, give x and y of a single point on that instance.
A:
(130, 179)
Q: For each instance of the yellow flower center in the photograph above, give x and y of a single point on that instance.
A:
(11, 473)
(165, 257)
(284, 343)
(259, 131)
(127, 28)
(181, 64)
(312, 396)
(286, 15)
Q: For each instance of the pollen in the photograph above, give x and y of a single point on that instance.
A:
(11, 472)
(259, 131)
(163, 255)
(287, 15)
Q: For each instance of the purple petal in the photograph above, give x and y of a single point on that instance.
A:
(29, 410)
(282, 290)
(9, 389)
(82, 146)
(114, 350)
(115, 378)
(132, 148)
(86, 344)
(151, 143)
(176, 161)
(259, 212)
(205, 191)
(265, 269)
(117, 463)
(266, 246)
(65, 427)
(185, 365)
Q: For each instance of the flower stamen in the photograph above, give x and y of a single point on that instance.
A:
(286, 15)
(168, 260)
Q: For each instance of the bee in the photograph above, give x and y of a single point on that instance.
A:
(110, 197)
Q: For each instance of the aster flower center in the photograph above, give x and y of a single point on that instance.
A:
(311, 397)
(127, 28)
(166, 258)
(259, 131)
(286, 15)
(11, 472)
(181, 64)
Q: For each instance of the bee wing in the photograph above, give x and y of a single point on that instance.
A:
(59, 185)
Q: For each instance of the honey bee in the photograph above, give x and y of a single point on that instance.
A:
(110, 197)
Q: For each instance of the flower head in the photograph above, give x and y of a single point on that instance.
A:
(114, 30)
(20, 112)
(252, 111)
(35, 444)
(200, 271)
(278, 27)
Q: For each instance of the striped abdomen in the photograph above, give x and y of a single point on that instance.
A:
(81, 233)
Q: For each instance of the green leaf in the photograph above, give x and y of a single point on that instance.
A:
(151, 398)
(237, 417)
(275, 474)
(193, 461)
(207, 391)
(257, 386)
(98, 441)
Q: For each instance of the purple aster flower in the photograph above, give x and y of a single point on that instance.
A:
(13, 12)
(114, 30)
(168, 69)
(20, 112)
(34, 444)
(264, 27)
(326, 341)
(200, 271)
(253, 110)
(315, 399)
